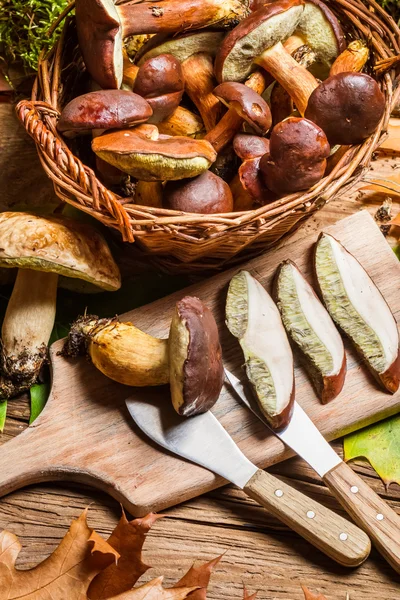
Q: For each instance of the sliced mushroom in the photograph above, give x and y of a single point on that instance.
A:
(103, 109)
(348, 107)
(42, 249)
(359, 309)
(102, 25)
(312, 330)
(207, 193)
(160, 81)
(249, 105)
(297, 158)
(258, 39)
(166, 158)
(253, 318)
(195, 50)
(196, 369)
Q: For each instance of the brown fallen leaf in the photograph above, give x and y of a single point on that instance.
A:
(127, 539)
(247, 596)
(199, 576)
(66, 573)
(310, 596)
(153, 590)
(393, 141)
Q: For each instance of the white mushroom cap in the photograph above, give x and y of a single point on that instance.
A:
(57, 245)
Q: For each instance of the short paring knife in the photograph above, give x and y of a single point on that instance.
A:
(203, 440)
(367, 509)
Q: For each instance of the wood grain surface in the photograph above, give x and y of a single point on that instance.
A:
(86, 408)
(260, 551)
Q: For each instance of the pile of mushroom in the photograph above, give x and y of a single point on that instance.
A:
(272, 85)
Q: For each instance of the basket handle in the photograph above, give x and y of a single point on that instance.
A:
(60, 164)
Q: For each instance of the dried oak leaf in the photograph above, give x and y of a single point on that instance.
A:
(127, 539)
(310, 596)
(153, 590)
(66, 573)
(199, 576)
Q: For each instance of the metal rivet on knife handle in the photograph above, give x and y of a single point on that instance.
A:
(310, 519)
(368, 510)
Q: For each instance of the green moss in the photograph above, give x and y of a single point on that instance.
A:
(342, 311)
(297, 325)
(23, 28)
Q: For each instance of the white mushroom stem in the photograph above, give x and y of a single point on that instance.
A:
(294, 78)
(198, 71)
(27, 327)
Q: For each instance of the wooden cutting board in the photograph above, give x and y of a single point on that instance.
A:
(85, 433)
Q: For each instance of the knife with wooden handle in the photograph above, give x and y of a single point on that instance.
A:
(367, 509)
(203, 440)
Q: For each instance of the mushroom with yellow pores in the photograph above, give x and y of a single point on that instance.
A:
(42, 248)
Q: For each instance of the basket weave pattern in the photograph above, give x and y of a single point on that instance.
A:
(182, 241)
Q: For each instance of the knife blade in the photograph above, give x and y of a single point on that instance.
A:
(203, 440)
(366, 508)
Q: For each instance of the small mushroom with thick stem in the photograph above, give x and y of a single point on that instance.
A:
(248, 187)
(102, 25)
(207, 193)
(196, 51)
(249, 105)
(258, 39)
(103, 109)
(42, 248)
(297, 156)
(160, 81)
(190, 360)
(159, 159)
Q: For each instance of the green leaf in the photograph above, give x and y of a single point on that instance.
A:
(39, 394)
(3, 414)
(380, 445)
(396, 250)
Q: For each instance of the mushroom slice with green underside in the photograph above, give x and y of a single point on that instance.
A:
(312, 330)
(359, 309)
(253, 318)
(42, 248)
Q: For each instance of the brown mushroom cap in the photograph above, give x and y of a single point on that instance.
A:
(347, 106)
(247, 103)
(196, 369)
(207, 193)
(103, 109)
(154, 160)
(248, 146)
(297, 158)
(264, 28)
(160, 81)
(252, 181)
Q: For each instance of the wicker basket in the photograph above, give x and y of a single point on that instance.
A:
(179, 241)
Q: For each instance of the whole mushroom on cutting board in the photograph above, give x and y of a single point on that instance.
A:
(42, 248)
(190, 360)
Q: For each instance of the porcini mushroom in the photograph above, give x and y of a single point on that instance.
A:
(297, 156)
(190, 360)
(258, 39)
(160, 81)
(253, 318)
(149, 193)
(154, 160)
(206, 193)
(347, 106)
(249, 105)
(359, 309)
(196, 51)
(248, 146)
(103, 109)
(196, 369)
(182, 122)
(247, 186)
(309, 325)
(352, 59)
(42, 248)
(102, 25)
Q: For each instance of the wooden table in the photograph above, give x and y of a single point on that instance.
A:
(260, 552)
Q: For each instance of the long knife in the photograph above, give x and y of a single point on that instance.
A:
(204, 441)
(367, 509)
